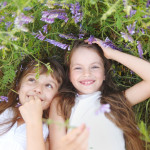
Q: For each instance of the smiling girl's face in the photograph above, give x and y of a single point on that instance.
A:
(86, 70)
(45, 88)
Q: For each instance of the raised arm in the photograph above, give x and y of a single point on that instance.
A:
(57, 129)
(31, 112)
(77, 139)
(140, 91)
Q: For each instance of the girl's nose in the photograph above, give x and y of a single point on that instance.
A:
(38, 89)
(86, 72)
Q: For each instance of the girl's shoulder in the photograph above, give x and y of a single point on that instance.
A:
(7, 114)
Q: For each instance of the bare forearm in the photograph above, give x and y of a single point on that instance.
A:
(137, 65)
(35, 139)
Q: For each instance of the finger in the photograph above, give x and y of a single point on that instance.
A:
(80, 142)
(36, 98)
(82, 139)
(31, 98)
(86, 41)
(72, 135)
(99, 42)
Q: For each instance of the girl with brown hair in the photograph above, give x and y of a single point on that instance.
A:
(21, 128)
(90, 97)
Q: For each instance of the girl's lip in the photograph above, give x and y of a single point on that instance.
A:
(38, 97)
(87, 82)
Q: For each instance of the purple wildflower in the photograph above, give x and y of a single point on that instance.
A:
(40, 36)
(146, 16)
(8, 24)
(49, 16)
(14, 38)
(4, 4)
(3, 98)
(61, 45)
(13, 14)
(27, 8)
(141, 29)
(2, 19)
(91, 39)
(81, 36)
(45, 28)
(21, 20)
(104, 108)
(131, 28)
(132, 12)
(75, 10)
(69, 36)
(140, 50)
(109, 43)
(125, 3)
(2, 47)
(127, 37)
(148, 3)
(18, 105)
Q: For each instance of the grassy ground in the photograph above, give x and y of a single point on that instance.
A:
(24, 34)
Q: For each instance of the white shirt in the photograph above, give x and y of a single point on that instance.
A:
(104, 134)
(15, 138)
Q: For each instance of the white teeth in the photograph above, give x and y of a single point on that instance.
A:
(86, 82)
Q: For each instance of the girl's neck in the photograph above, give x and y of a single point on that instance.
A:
(20, 120)
(89, 93)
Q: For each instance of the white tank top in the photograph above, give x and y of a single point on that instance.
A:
(104, 134)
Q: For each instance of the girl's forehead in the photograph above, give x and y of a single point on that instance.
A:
(43, 76)
(84, 53)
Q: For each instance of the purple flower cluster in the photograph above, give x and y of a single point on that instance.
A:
(127, 37)
(2, 19)
(76, 12)
(49, 16)
(61, 45)
(21, 20)
(109, 43)
(2, 47)
(45, 28)
(8, 24)
(131, 28)
(104, 108)
(140, 50)
(125, 3)
(69, 36)
(3, 4)
(91, 39)
(40, 36)
(141, 29)
(27, 8)
(3, 98)
(132, 12)
(18, 105)
(148, 3)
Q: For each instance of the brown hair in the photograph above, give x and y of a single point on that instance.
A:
(121, 112)
(29, 65)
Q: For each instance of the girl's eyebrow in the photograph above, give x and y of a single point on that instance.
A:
(29, 74)
(53, 82)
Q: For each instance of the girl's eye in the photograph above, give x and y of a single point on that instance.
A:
(77, 68)
(95, 67)
(31, 79)
(49, 86)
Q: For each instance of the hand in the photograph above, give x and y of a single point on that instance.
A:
(77, 139)
(106, 49)
(31, 111)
